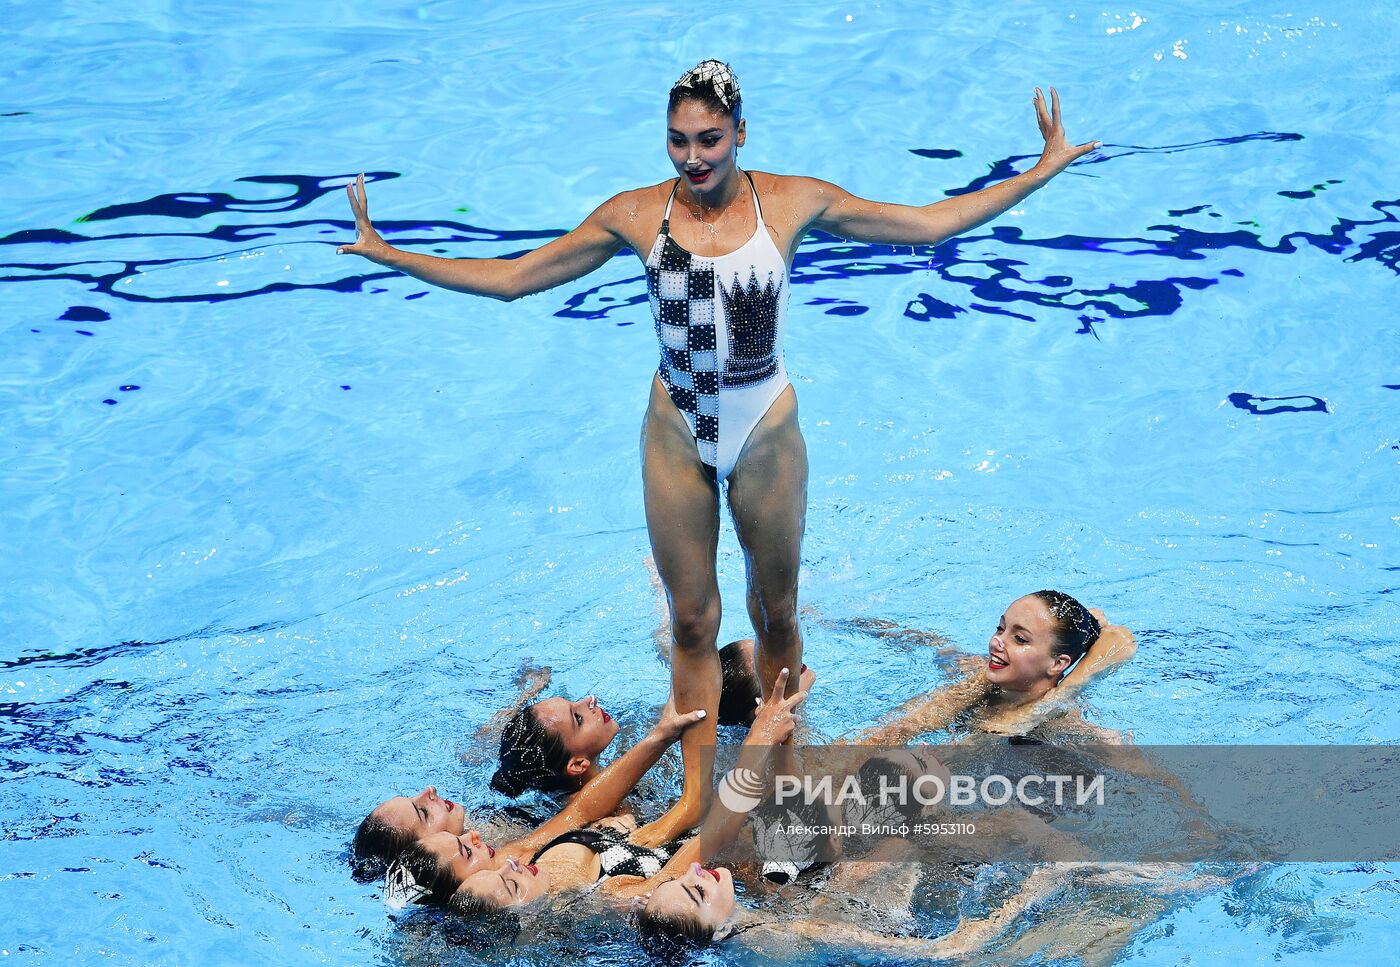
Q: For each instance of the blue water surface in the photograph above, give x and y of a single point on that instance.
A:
(279, 528)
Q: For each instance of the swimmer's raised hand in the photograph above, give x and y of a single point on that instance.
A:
(1059, 154)
(774, 722)
(367, 240)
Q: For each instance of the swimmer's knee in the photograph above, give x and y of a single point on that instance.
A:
(777, 622)
(695, 625)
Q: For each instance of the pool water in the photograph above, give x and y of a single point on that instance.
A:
(279, 528)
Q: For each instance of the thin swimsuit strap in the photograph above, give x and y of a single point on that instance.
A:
(666, 216)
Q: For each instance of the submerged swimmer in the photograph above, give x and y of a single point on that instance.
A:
(717, 242)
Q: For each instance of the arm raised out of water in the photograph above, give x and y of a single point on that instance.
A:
(839, 212)
(566, 258)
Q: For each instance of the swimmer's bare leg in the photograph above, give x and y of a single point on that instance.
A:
(682, 508)
(768, 499)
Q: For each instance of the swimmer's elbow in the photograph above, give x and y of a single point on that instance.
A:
(509, 283)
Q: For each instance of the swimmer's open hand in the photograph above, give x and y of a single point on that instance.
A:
(673, 723)
(1059, 154)
(774, 722)
(367, 240)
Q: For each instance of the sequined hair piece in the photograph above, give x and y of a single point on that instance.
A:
(710, 78)
(1075, 626)
(401, 888)
(530, 757)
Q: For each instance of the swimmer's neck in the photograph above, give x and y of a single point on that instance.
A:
(715, 201)
(1008, 698)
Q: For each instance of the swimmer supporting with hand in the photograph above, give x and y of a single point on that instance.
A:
(432, 868)
(718, 243)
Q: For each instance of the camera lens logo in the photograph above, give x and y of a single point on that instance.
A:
(741, 790)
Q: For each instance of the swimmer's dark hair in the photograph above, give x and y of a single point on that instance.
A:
(375, 846)
(480, 923)
(428, 873)
(739, 686)
(671, 940)
(727, 102)
(1075, 628)
(532, 757)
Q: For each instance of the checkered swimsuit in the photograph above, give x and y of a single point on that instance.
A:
(617, 856)
(720, 324)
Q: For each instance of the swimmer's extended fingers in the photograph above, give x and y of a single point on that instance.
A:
(365, 235)
(1059, 154)
(774, 724)
(1042, 115)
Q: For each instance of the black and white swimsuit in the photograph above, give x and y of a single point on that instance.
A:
(617, 856)
(720, 324)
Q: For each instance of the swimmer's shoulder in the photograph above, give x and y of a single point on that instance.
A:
(634, 214)
(797, 195)
(638, 202)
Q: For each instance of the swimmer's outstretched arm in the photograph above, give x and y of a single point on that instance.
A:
(772, 726)
(605, 791)
(966, 939)
(841, 213)
(931, 712)
(569, 257)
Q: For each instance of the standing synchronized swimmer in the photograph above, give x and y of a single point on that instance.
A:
(718, 242)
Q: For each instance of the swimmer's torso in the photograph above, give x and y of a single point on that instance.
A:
(719, 321)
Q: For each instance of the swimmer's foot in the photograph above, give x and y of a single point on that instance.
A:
(679, 820)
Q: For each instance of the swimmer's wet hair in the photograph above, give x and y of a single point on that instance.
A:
(1075, 628)
(739, 686)
(376, 845)
(428, 873)
(532, 757)
(671, 940)
(479, 922)
(713, 84)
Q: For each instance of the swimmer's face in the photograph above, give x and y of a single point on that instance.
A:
(1023, 653)
(423, 814)
(583, 728)
(463, 855)
(706, 896)
(701, 143)
(511, 884)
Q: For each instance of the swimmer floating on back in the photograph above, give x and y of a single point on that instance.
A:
(717, 242)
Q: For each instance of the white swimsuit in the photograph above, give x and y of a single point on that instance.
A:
(720, 324)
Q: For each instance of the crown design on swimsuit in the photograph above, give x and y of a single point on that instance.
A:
(715, 75)
(752, 311)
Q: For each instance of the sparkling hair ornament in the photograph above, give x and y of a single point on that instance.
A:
(401, 888)
(710, 77)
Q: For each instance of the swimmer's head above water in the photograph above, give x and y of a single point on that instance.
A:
(438, 864)
(552, 746)
(398, 823)
(705, 126)
(510, 886)
(691, 911)
(1037, 640)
